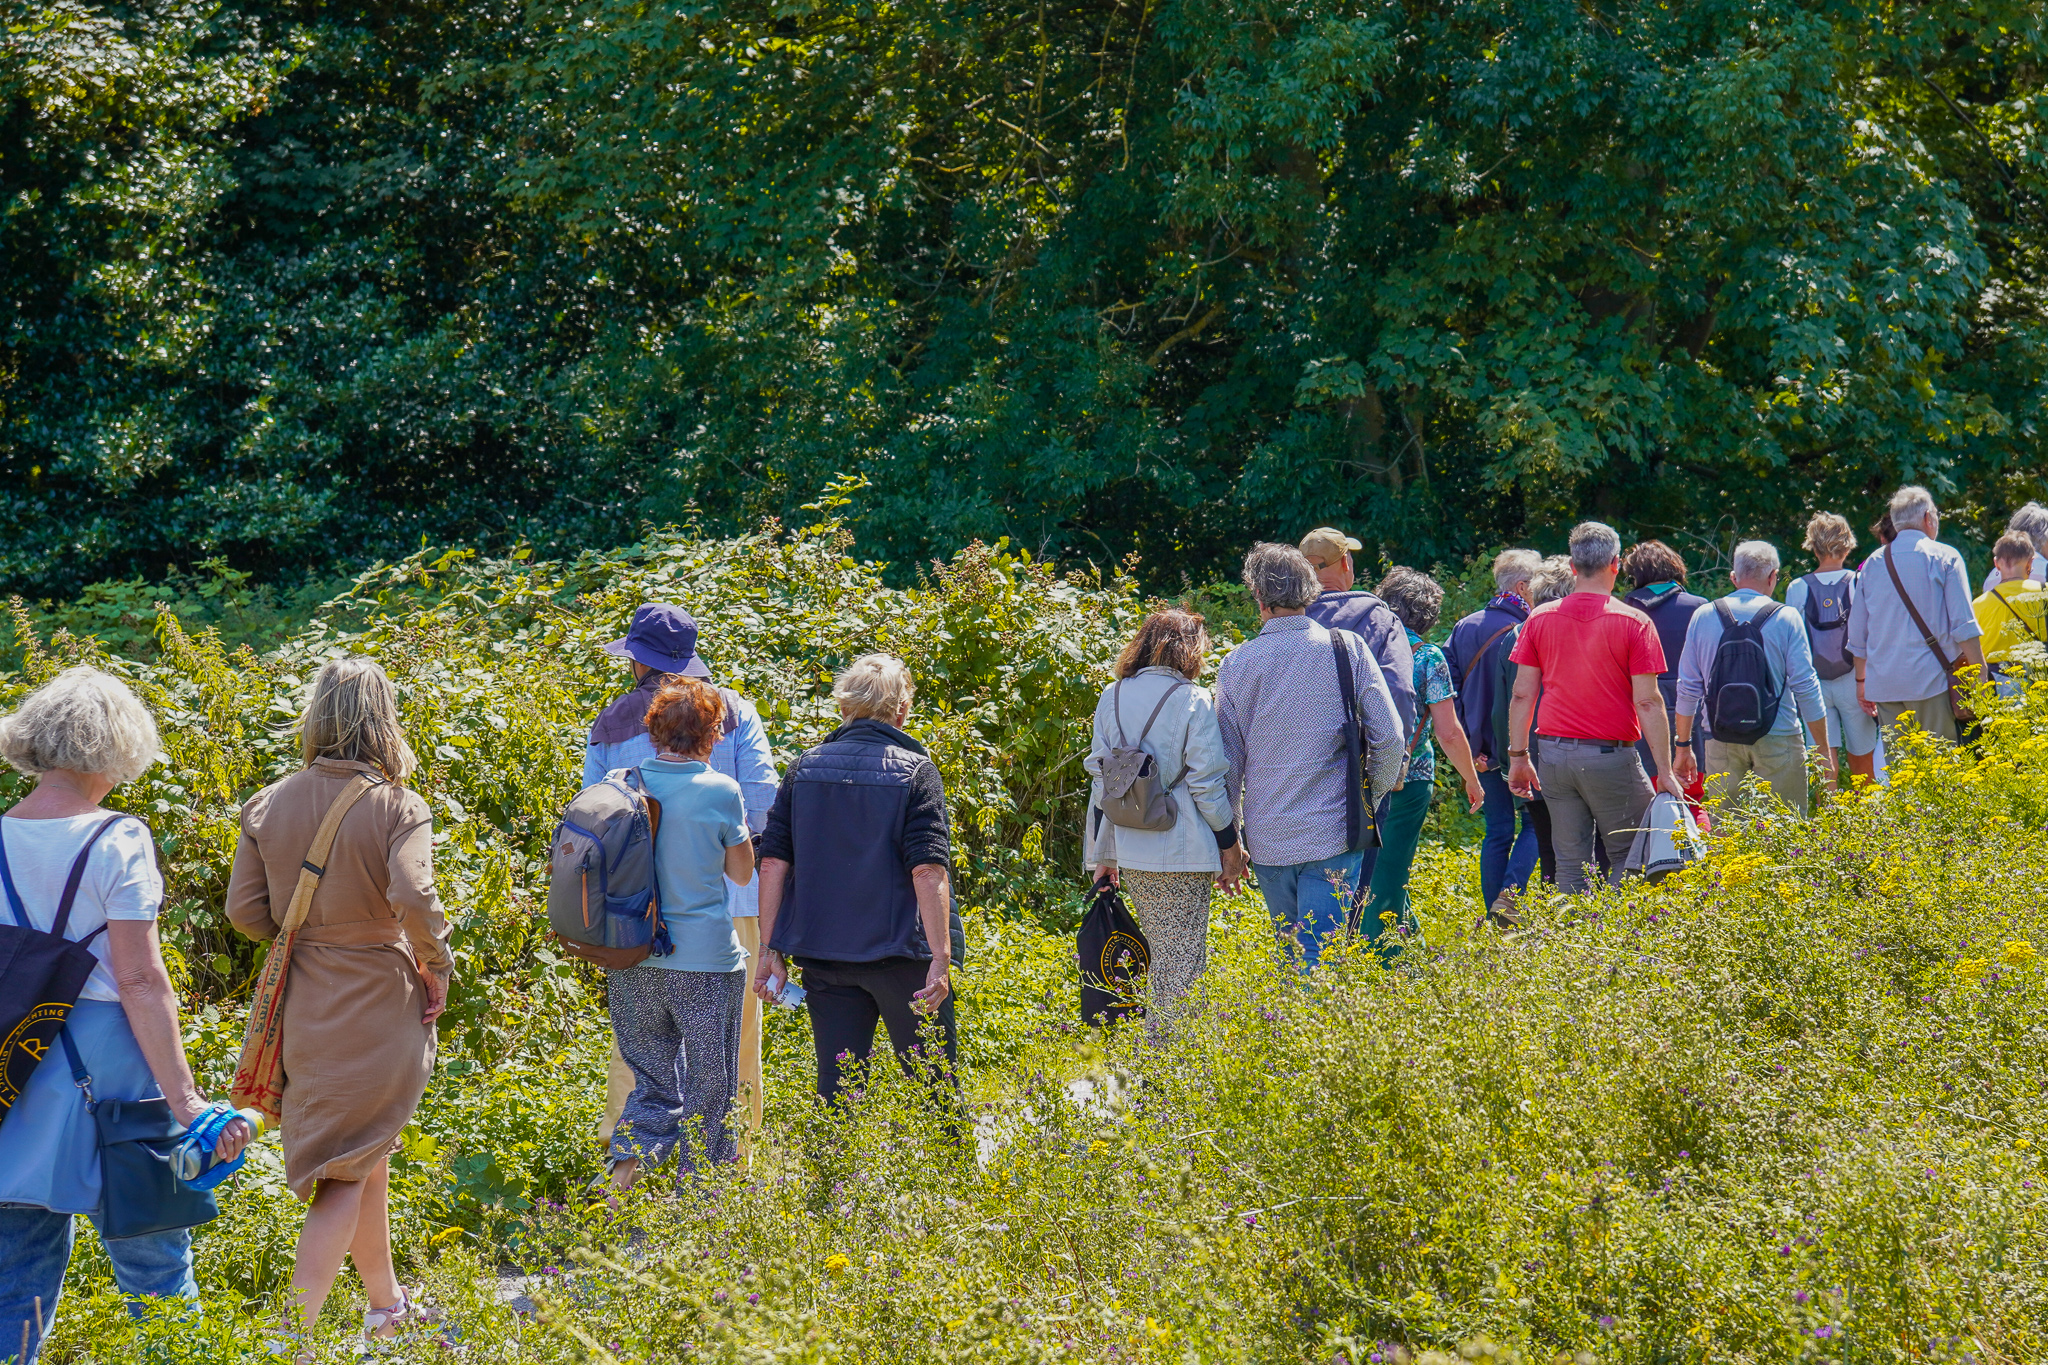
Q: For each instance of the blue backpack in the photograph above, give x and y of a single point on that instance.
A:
(1742, 706)
(603, 902)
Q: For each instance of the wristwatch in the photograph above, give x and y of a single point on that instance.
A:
(1682, 743)
(1518, 753)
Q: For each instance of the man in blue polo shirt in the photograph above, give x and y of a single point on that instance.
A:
(1778, 758)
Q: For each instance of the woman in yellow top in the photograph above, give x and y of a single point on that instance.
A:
(2012, 612)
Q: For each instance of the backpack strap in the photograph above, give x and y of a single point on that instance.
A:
(1177, 686)
(1116, 705)
(731, 722)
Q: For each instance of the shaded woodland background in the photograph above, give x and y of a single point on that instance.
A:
(296, 286)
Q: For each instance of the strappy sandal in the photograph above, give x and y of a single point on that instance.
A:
(377, 1320)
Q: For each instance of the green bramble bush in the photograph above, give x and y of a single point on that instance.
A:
(1784, 1106)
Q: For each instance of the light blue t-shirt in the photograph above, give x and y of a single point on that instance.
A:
(702, 815)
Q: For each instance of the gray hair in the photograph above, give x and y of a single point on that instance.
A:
(1552, 581)
(352, 714)
(1417, 599)
(1754, 559)
(81, 721)
(1514, 566)
(1911, 505)
(1280, 577)
(1595, 545)
(875, 687)
(2031, 521)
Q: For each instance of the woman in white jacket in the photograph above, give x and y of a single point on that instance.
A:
(1169, 874)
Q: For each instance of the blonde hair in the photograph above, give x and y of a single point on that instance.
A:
(352, 714)
(1828, 534)
(876, 686)
(81, 721)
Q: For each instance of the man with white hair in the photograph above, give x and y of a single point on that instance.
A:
(1904, 665)
(1743, 653)
(2031, 521)
(1475, 652)
(1596, 661)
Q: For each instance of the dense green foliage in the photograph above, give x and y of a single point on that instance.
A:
(1785, 1106)
(302, 281)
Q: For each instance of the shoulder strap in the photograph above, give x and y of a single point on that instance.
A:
(1728, 621)
(7, 876)
(1473, 666)
(2005, 602)
(1116, 704)
(71, 884)
(80, 1077)
(315, 865)
(1344, 689)
(1163, 698)
(1912, 610)
(732, 711)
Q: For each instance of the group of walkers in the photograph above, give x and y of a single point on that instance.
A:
(1312, 765)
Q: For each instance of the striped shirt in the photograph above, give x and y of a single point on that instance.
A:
(1282, 720)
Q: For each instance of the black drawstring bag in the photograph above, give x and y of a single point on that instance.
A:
(1114, 958)
(41, 975)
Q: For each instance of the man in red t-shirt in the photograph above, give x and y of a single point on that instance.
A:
(1595, 661)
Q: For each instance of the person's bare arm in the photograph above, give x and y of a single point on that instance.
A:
(771, 973)
(1649, 700)
(152, 1009)
(1973, 651)
(1522, 780)
(1450, 737)
(1819, 730)
(934, 885)
(1684, 762)
(739, 862)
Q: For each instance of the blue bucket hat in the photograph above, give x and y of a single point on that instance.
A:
(663, 637)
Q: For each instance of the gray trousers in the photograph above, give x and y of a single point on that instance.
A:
(1591, 788)
(1934, 714)
(680, 1033)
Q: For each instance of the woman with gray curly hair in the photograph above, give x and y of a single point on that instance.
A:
(1418, 600)
(81, 735)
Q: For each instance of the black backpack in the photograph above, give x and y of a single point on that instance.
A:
(1827, 624)
(1742, 706)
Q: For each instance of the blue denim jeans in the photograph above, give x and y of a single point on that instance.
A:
(1310, 902)
(1505, 858)
(35, 1250)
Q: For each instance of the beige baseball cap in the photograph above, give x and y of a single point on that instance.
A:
(1328, 544)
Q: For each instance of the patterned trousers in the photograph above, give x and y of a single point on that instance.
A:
(1173, 910)
(680, 1034)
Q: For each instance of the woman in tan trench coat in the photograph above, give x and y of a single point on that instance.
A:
(368, 976)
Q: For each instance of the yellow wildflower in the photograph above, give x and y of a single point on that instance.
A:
(837, 1262)
(1970, 968)
(2018, 953)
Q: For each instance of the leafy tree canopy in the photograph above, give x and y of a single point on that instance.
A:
(301, 284)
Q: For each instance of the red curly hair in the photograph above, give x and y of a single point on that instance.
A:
(685, 716)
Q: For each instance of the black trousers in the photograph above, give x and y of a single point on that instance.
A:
(847, 999)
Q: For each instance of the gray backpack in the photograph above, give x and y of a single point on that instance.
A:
(1131, 792)
(603, 903)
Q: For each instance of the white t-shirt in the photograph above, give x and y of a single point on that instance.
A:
(121, 881)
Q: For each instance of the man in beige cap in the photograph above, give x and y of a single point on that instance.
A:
(1344, 607)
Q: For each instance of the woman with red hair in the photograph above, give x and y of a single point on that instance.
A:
(677, 1016)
